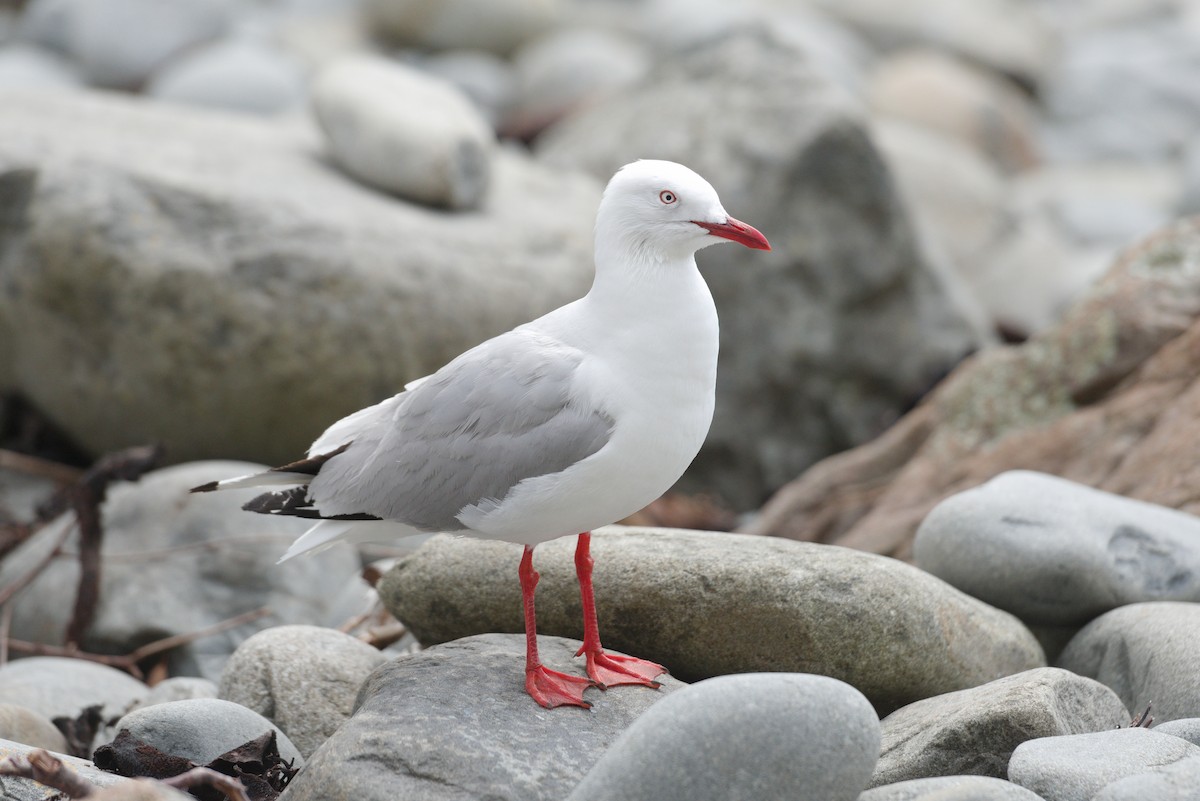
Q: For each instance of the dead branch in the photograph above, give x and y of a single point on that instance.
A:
(1143, 721)
(129, 662)
(207, 777)
(86, 496)
(382, 636)
(45, 768)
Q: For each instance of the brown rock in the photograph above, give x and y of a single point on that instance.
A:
(1109, 398)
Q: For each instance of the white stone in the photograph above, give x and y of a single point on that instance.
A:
(240, 74)
(404, 132)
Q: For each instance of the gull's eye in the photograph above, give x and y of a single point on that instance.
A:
(667, 197)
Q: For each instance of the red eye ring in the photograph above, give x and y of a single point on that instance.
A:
(667, 196)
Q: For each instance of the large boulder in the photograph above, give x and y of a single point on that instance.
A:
(706, 604)
(827, 339)
(207, 281)
(454, 723)
(1107, 398)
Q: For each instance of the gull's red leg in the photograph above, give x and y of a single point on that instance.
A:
(548, 687)
(605, 669)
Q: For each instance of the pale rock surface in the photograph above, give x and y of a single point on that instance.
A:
(399, 130)
(302, 678)
(706, 604)
(1147, 652)
(766, 736)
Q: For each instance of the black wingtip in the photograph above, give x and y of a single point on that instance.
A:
(209, 487)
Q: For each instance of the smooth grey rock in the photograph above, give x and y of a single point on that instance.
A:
(1187, 728)
(26, 67)
(567, 69)
(1124, 91)
(486, 79)
(827, 338)
(14, 789)
(1052, 551)
(951, 788)
(706, 604)
(956, 195)
(44, 23)
(975, 731)
(303, 678)
(174, 563)
(1147, 653)
(120, 43)
(1100, 205)
(237, 225)
(240, 74)
(22, 725)
(785, 736)
(179, 688)
(453, 723)
(1076, 767)
(935, 90)
(1179, 781)
(55, 686)
(404, 132)
(1004, 35)
(497, 26)
(201, 729)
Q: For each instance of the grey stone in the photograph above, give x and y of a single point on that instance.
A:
(174, 563)
(240, 74)
(1147, 653)
(828, 337)
(404, 132)
(1127, 91)
(956, 195)
(974, 106)
(1076, 767)
(179, 688)
(567, 69)
(1055, 552)
(26, 67)
(1100, 205)
(45, 23)
(975, 731)
(120, 43)
(302, 678)
(497, 26)
(705, 604)
(59, 687)
(14, 789)
(453, 723)
(1178, 781)
(247, 245)
(1187, 728)
(23, 725)
(951, 788)
(785, 736)
(486, 79)
(1007, 36)
(201, 729)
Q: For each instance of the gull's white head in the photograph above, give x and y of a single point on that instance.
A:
(664, 211)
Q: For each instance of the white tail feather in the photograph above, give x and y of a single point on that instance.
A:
(269, 478)
(327, 532)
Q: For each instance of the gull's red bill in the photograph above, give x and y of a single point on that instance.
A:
(737, 231)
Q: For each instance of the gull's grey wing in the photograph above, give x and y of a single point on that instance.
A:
(500, 413)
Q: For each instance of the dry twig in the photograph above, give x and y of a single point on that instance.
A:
(129, 662)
